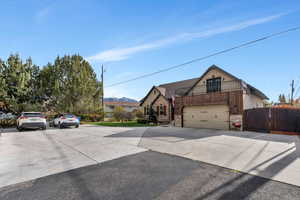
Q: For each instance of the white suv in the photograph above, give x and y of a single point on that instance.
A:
(32, 120)
(65, 120)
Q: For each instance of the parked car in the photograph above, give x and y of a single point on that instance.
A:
(2, 115)
(31, 120)
(65, 120)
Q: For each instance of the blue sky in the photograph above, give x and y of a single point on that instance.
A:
(136, 37)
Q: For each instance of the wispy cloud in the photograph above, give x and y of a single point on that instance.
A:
(42, 14)
(124, 53)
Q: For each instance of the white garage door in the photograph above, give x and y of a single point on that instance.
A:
(214, 116)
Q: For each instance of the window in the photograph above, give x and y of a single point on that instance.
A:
(111, 107)
(161, 111)
(148, 110)
(165, 110)
(213, 85)
(157, 110)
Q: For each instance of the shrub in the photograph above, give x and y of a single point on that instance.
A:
(128, 116)
(90, 117)
(142, 121)
(119, 113)
(138, 114)
(6, 123)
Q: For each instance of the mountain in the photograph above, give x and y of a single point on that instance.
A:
(123, 99)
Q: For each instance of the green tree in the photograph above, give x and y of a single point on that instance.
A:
(282, 98)
(17, 83)
(70, 85)
(119, 113)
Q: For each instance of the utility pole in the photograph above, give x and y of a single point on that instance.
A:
(292, 93)
(102, 81)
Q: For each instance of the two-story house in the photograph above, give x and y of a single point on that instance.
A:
(216, 100)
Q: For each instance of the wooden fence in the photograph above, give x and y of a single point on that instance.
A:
(272, 119)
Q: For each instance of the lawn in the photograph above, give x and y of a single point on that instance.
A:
(121, 124)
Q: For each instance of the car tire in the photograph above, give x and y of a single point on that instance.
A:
(44, 128)
(77, 126)
(19, 129)
(60, 126)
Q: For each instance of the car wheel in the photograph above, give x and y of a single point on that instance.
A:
(19, 128)
(60, 126)
(44, 128)
(77, 126)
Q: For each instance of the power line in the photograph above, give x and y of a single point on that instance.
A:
(205, 57)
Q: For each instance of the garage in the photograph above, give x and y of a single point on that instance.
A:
(213, 117)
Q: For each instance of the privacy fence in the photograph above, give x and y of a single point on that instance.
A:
(272, 120)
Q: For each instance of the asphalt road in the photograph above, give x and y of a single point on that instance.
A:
(150, 175)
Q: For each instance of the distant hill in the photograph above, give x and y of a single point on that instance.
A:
(123, 99)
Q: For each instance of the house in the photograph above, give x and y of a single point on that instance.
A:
(109, 107)
(216, 100)
(159, 102)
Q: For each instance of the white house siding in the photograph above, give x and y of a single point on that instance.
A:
(252, 101)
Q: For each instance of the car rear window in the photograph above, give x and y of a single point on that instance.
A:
(69, 116)
(33, 114)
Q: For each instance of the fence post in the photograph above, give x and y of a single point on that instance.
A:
(270, 119)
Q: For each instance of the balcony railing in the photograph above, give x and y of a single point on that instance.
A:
(232, 98)
(226, 86)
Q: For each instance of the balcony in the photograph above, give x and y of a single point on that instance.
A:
(232, 98)
(226, 86)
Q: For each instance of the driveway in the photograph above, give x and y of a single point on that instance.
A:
(32, 154)
(28, 155)
(150, 175)
(276, 157)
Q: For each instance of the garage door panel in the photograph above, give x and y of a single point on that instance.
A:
(216, 117)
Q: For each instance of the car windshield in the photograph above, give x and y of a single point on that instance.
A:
(32, 114)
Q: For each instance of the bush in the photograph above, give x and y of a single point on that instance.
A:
(6, 123)
(138, 114)
(128, 116)
(90, 117)
(142, 121)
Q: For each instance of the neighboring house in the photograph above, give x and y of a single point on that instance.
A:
(159, 101)
(127, 106)
(216, 100)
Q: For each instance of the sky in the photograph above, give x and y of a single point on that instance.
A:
(132, 38)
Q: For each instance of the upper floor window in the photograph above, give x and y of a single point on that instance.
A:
(213, 85)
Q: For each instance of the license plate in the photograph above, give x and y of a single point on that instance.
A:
(33, 119)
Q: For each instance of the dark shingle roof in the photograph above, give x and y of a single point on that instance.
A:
(170, 88)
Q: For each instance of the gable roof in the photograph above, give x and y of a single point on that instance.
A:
(153, 87)
(252, 89)
(170, 88)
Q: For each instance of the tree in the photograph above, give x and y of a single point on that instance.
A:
(70, 85)
(119, 113)
(67, 85)
(17, 81)
(282, 98)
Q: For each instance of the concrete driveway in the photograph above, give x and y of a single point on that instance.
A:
(275, 157)
(32, 154)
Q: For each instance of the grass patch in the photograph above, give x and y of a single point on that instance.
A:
(120, 124)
